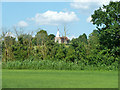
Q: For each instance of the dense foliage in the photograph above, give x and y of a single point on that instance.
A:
(101, 49)
(56, 65)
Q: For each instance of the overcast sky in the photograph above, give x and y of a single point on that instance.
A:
(52, 15)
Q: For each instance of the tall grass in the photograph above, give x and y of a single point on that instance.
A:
(56, 65)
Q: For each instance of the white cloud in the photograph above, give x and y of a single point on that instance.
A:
(22, 24)
(82, 4)
(54, 18)
(89, 19)
(89, 5)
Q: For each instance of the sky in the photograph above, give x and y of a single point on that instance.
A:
(51, 16)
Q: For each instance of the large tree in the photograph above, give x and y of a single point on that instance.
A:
(107, 21)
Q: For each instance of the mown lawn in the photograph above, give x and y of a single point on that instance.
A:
(59, 79)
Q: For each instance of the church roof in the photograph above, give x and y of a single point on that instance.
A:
(64, 38)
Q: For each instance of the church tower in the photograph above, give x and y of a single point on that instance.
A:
(58, 34)
(57, 38)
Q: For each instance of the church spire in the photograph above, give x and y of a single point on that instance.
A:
(58, 34)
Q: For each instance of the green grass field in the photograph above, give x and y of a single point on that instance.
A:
(59, 79)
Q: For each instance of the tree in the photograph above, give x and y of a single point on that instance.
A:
(51, 36)
(7, 48)
(7, 41)
(61, 52)
(80, 44)
(51, 49)
(83, 38)
(93, 41)
(107, 21)
(42, 37)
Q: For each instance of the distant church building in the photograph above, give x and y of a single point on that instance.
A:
(62, 39)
